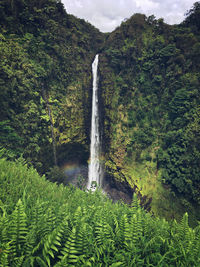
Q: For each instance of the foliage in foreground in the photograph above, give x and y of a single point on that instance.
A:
(43, 224)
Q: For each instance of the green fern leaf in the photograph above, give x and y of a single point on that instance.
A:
(125, 231)
(70, 252)
(5, 250)
(51, 244)
(18, 229)
(135, 205)
(183, 227)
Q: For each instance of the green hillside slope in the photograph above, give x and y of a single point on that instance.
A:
(43, 224)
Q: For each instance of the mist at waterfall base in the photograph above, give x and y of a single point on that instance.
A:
(76, 174)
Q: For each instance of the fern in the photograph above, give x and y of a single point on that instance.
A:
(33, 261)
(196, 247)
(125, 233)
(135, 205)
(189, 245)
(183, 228)
(18, 261)
(61, 226)
(81, 241)
(128, 259)
(77, 216)
(76, 248)
(63, 213)
(70, 252)
(103, 237)
(18, 229)
(50, 221)
(38, 216)
(4, 254)
(51, 244)
(136, 225)
(4, 224)
(48, 247)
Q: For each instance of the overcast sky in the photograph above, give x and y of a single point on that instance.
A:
(108, 14)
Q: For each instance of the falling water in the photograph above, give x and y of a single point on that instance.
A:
(95, 168)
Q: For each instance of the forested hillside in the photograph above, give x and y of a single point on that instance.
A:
(149, 76)
(45, 79)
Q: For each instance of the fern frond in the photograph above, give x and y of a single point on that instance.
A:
(50, 220)
(183, 227)
(4, 254)
(18, 261)
(103, 236)
(137, 226)
(116, 225)
(125, 231)
(196, 247)
(37, 218)
(18, 229)
(135, 205)
(76, 248)
(33, 261)
(77, 216)
(51, 244)
(4, 226)
(81, 241)
(63, 212)
(70, 251)
(41, 262)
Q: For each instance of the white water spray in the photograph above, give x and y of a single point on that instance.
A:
(95, 174)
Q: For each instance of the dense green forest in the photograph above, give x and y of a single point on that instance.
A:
(43, 224)
(45, 81)
(149, 76)
(149, 83)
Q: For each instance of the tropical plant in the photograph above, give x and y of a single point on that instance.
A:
(45, 224)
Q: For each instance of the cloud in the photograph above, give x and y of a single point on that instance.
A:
(108, 14)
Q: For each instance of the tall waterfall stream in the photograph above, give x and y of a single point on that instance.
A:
(95, 174)
(114, 190)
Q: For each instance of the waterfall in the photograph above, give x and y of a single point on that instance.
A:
(95, 174)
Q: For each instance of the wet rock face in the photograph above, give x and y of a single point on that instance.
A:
(117, 191)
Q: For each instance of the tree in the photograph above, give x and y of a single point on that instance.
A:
(193, 17)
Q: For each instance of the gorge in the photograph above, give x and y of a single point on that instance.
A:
(148, 99)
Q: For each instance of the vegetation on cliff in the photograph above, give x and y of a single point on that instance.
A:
(45, 79)
(149, 76)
